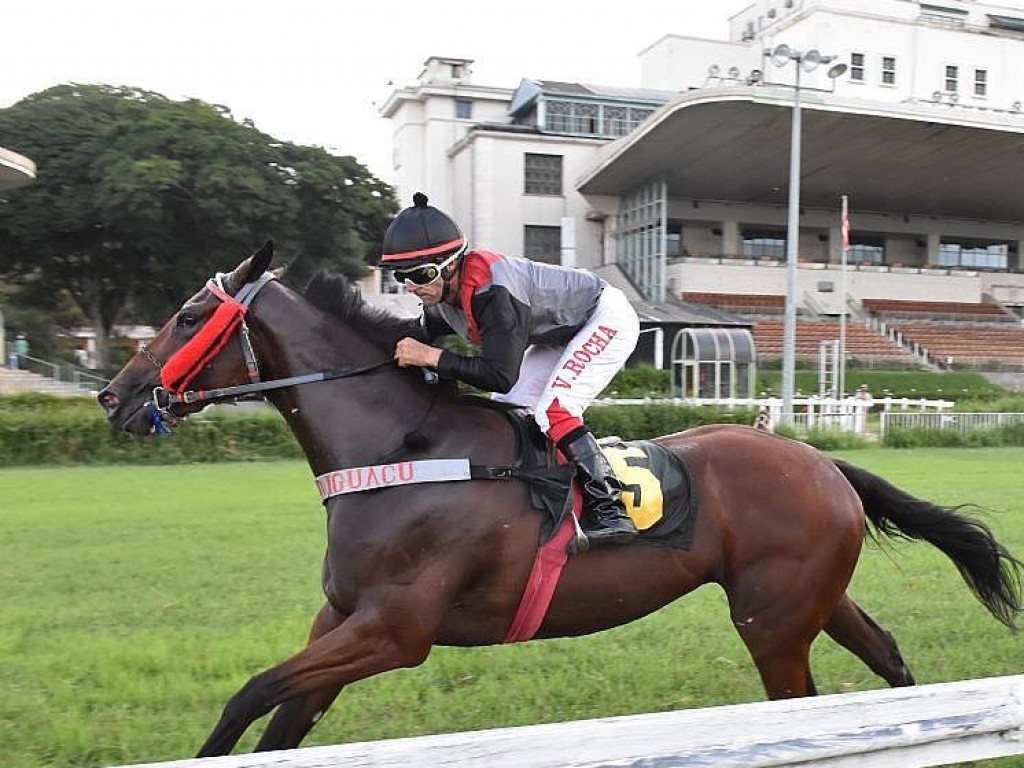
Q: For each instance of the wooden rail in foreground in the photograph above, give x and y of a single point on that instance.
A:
(920, 726)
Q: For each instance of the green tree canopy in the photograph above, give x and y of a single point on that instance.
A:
(139, 198)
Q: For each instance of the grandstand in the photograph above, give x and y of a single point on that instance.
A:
(975, 335)
(739, 303)
(983, 312)
(945, 334)
(862, 343)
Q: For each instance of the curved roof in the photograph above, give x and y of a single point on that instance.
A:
(714, 345)
(15, 170)
(733, 144)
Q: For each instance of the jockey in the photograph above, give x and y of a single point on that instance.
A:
(550, 338)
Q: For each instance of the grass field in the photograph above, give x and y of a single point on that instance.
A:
(138, 599)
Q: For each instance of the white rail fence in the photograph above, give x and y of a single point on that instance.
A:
(903, 728)
(848, 413)
(959, 422)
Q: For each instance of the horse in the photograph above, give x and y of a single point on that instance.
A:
(408, 567)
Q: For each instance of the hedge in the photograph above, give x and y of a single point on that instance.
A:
(73, 438)
(38, 429)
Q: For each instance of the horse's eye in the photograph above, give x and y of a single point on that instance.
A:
(187, 319)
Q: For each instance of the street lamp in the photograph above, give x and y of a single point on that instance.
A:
(806, 61)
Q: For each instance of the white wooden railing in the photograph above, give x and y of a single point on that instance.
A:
(848, 413)
(906, 728)
(962, 422)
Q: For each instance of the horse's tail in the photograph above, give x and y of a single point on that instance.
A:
(991, 572)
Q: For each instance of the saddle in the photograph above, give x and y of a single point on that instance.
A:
(657, 489)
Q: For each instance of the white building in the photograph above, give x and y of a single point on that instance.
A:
(683, 182)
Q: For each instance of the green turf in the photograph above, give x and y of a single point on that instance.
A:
(138, 599)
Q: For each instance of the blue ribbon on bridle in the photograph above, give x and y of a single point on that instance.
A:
(159, 424)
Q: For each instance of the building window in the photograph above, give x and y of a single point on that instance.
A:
(889, 70)
(764, 245)
(674, 241)
(973, 255)
(857, 66)
(578, 118)
(573, 117)
(463, 109)
(944, 17)
(951, 77)
(981, 82)
(616, 121)
(542, 174)
(865, 250)
(543, 244)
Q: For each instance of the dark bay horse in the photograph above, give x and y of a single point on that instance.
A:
(780, 525)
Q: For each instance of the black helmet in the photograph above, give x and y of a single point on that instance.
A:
(420, 234)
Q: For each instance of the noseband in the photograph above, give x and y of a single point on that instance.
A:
(186, 363)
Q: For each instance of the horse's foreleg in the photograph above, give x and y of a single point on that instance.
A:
(367, 643)
(853, 629)
(295, 718)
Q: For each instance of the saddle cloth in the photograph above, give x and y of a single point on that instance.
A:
(658, 494)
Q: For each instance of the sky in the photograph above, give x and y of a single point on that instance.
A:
(316, 71)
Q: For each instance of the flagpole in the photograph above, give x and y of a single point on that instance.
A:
(845, 225)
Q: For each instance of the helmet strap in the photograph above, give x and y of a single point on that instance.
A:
(446, 290)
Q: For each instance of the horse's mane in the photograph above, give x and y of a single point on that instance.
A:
(336, 295)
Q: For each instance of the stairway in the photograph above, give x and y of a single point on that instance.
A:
(16, 382)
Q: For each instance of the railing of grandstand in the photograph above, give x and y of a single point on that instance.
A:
(808, 262)
(810, 303)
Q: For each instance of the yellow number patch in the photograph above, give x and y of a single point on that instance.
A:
(632, 467)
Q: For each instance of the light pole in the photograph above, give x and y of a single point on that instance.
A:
(806, 61)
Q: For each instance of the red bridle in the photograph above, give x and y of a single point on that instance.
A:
(186, 363)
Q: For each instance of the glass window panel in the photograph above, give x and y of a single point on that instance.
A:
(981, 82)
(952, 75)
(543, 243)
(764, 245)
(542, 174)
(856, 66)
(889, 70)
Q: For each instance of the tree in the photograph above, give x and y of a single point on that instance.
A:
(139, 198)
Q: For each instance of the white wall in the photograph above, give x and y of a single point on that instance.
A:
(863, 283)
(677, 62)
(875, 28)
(488, 191)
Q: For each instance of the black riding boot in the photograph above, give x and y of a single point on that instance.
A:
(604, 516)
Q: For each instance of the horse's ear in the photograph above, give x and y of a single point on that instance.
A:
(261, 259)
(253, 267)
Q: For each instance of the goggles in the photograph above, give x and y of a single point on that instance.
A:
(424, 274)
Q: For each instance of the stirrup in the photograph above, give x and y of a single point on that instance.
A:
(579, 541)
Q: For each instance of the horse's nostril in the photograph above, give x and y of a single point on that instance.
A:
(107, 399)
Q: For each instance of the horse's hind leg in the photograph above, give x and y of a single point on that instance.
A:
(853, 629)
(778, 630)
(296, 717)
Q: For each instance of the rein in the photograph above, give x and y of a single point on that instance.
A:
(186, 363)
